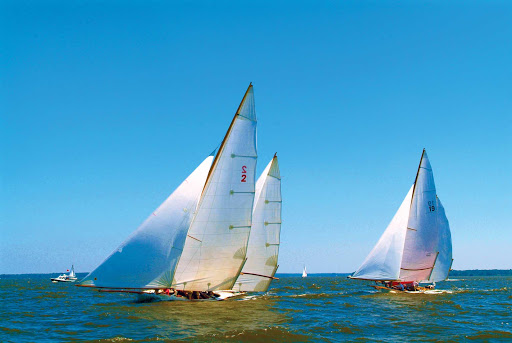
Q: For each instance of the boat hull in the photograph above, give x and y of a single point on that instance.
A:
(55, 280)
(222, 295)
(421, 290)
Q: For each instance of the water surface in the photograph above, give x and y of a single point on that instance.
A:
(319, 308)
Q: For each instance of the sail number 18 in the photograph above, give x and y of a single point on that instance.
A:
(244, 174)
(431, 206)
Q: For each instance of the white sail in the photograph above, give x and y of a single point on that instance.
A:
(148, 257)
(263, 246)
(422, 236)
(416, 245)
(216, 244)
(383, 262)
(444, 259)
(304, 272)
(72, 272)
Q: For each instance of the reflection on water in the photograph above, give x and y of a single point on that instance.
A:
(327, 308)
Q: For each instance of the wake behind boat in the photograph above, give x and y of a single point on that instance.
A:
(416, 247)
(71, 277)
(196, 245)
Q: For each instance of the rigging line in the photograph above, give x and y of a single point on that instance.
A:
(194, 238)
(416, 179)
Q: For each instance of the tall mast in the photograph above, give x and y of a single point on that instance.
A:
(223, 144)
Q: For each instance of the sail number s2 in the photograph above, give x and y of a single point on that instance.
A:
(244, 174)
(431, 206)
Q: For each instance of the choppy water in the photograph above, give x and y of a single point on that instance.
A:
(319, 308)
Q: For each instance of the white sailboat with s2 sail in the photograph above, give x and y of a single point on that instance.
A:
(416, 246)
(194, 246)
(304, 272)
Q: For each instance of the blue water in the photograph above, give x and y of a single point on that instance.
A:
(319, 308)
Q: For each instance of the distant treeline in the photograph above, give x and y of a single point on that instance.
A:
(482, 272)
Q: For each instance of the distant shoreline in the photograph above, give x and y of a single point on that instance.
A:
(468, 272)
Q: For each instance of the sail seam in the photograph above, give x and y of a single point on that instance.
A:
(417, 269)
(244, 117)
(248, 156)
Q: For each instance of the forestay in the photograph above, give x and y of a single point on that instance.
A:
(263, 246)
(148, 257)
(216, 244)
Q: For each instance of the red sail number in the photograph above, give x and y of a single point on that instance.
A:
(244, 174)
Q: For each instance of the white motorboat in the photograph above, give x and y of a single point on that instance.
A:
(71, 277)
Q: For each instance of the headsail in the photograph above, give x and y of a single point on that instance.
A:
(263, 246)
(216, 244)
(422, 237)
(444, 259)
(383, 262)
(148, 257)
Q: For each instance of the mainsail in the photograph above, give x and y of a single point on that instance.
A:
(417, 239)
(422, 237)
(216, 244)
(263, 246)
(149, 256)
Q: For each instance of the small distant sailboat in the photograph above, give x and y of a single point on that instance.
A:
(416, 247)
(71, 277)
(304, 273)
(195, 245)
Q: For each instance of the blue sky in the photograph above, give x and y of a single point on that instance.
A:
(106, 108)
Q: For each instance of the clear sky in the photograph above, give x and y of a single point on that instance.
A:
(106, 108)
